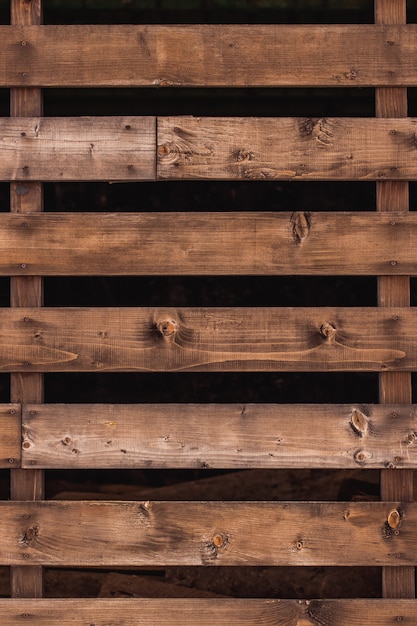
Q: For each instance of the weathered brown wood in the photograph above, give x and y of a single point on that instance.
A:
(209, 55)
(10, 435)
(286, 148)
(208, 339)
(184, 435)
(83, 148)
(93, 533)
(206, 612)
(394, 387)
(208, 243)
(26, 291)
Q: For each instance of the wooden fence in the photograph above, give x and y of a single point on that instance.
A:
(35, 436)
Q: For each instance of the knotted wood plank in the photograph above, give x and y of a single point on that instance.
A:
(287, 148)
(94, 533)
(219, 435)
(262, 243)
(208, 339)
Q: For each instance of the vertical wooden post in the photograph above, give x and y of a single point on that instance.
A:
(26, 581)
(394, 387)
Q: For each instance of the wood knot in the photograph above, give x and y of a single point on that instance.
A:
(358, 422)
(328, 330)
(300, 226)
(167, 328)
(219, 540)
(164, 149)
(394, 518)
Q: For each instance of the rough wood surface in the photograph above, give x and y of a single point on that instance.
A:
(208, 339)
(208, 243)
(83, 148)
(92, 533)
(394, 291)
(206, 612)
(287, 148)
(10, 435)
(209, 55)
(186, 435)
(26, 102)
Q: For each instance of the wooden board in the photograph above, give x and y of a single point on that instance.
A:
(82, 148)
(219, 436)
(94, 533)
(208, 243)
(206, 612)
(26, 582)
(208, 339)
(394, 387)
(287, 148)
(10, 435)
(209, 55)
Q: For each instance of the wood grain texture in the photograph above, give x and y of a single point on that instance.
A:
(209, 55)
(83, 148)
(206, 612)
(10, 435)
(394, 387)
(287, 148)
(208, 243)
(100, 533)
(208, 339)
(219, 435)
(25, 102)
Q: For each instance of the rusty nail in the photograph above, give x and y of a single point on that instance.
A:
(23, 266)
(11, 461)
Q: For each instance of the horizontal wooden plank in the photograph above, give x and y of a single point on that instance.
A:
(252, 436)
(287, 148)
(10, 435)
(208, 243)
(206, 612)
(118, 149)
(82, 148)
(127, 533)
(208, 339)
(209, 55)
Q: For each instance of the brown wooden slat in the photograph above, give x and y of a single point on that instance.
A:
(188, 612)
(10, 435)
(208, 243)
(219, 435)
(286, 148)
(26, 102)
(209, 55)
(83, 148)
(208, 339)
(394, 387)
(97, 533)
